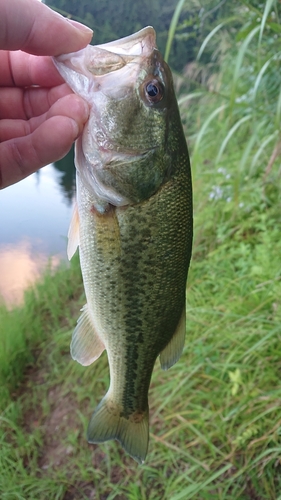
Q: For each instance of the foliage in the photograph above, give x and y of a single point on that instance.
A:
(111, 20)
(22, 329)
(243, 83)
(207, 439)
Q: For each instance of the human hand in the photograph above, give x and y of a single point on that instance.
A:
(40, 117)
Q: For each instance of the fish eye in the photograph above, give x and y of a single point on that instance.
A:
(154, 91)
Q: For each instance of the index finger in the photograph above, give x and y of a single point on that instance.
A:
(32, 27)
(23, 70)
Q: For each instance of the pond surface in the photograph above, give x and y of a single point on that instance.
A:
(34, 219)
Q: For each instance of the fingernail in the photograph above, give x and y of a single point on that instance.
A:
(86, 110)
(76, 129)
(80, 27)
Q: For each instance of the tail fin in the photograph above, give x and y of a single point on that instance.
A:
(133, 432)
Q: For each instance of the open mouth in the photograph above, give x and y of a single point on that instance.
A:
(141, 43)
(102, 59)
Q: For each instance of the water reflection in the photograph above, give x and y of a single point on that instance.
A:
(20, 267)
(67, 179)
(34, 220)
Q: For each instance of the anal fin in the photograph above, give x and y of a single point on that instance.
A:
(86, 345)
(170, 355)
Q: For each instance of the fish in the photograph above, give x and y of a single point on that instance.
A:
(133, 224)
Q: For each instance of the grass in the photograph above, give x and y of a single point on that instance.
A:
(215, 416)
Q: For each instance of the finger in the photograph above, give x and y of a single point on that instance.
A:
(70, 105)
(24, 155)
(51, 141)
(24, 103)
(21, 69)
(31, 26)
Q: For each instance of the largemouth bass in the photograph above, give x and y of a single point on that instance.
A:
(133, 225)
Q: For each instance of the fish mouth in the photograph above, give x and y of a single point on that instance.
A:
(102, 74)
(141, 43)
(102, 59)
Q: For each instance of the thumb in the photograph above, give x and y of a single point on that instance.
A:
(33, 27)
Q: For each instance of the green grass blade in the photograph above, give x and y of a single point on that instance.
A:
(262, 147)
(205, 127)
(278, 112)
(212, 33)
(261, 73)
(208, 38)
(195, 488)
(239, 60)
(253, 139)
(232, 131)
(267, 8)
(189, 97)
(172, 28)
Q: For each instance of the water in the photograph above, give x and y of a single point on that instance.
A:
(34, 220)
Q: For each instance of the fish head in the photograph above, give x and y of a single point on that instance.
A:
(125, 152)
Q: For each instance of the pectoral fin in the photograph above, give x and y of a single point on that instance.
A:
(73, 234)
(86, 345)
(170, 355)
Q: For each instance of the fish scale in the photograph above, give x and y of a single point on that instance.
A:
(133, 226)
